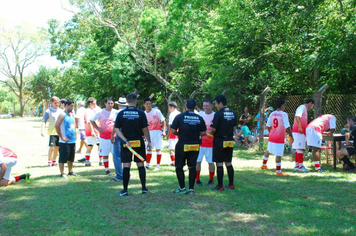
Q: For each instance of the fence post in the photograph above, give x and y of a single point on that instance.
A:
(262, 116)
(318, 98)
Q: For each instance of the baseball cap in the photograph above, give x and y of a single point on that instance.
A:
(122, 102)
(172, 104)
(270, 108)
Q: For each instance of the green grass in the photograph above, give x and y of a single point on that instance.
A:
(262, 204)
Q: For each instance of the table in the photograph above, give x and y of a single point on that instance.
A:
(334, 138)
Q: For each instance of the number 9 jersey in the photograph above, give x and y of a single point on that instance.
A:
(278, 122)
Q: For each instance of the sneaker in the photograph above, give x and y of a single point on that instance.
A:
(115, 179)
(123, 193)
(180, 190)
(281, 174)
(64, 176)
(88, 164)
(230, 186)
(303, 170)
(199, 183)
(73, 174)
(100, 163)
(345, 167)
(108, 172)
(264, 168)
(55, 164)
(82, 160)
(210, 182)
(156, 168)
(352, 170)
(147, 167)
(144, 191)
(320, 170)
(27, 179)
(296, 168)
(173, 163)
(49, 165)
(218, 188)
(190, 191)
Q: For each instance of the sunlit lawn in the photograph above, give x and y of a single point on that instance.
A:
(262, 204)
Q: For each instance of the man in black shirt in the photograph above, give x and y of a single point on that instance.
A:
(222, 127)
(131, 125)
(189, 127)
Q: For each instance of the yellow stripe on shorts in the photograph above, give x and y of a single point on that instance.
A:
(134, 143)
(227, 144)
(191, 147)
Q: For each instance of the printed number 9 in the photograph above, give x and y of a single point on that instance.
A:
(275, 123)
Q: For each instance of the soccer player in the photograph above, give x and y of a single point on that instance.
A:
(106, 125)
(115, 140)
(189, 127)
(314, 133)
(131, 125)
(7, 160)
(155, 122)
(67, 137)
(172, 139)
(277, 124)
(79, 118)
(223, 127)
(299, 126)
(206, 148)
(51, 115)
(90, 132)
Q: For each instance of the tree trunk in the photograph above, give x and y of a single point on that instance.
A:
(262, 117)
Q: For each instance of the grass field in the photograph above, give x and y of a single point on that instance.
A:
(262, 204)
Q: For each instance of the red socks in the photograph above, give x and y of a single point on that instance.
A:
(159, 157)
(198, 175)
(148, 157)
(211, 176)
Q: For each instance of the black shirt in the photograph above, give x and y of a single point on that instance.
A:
(190, 125)
(131, 121)
(224, 122)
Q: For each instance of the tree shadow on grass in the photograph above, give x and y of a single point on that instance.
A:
(262, 204)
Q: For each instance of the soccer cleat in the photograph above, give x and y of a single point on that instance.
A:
(123, 193)
(27, 179)
(230, 186)
(303, 170)
(108, 172)
(82, 160)
(64, 176)
(115, 179)
(320, 170)
(352, 170)
(144, 191)
(156, 168)
(210, 182)
(173, 163)
(100, 163)
(190, 191)
(180, 190)
(296, 168)
(281, 174)
(264, 167)
(198, 182)
(73, 174)
(49, 165)
(147, 167)
(88, 164)
(218, 188)
(55, 164)
(346, 167)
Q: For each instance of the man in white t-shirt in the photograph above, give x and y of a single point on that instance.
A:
(277, 124)
(299, 126)
(155, 123)
(106, 118)
(314, 133)
(172, 138)
(206, 147)
(7, 160)
(79, 118)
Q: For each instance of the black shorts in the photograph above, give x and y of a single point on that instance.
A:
(53, 141)
(126, 155)
(66, 152)
(351, 151)
(183, 155)
(222, 150)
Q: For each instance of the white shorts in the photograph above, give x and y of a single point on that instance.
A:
(299, 141)
(105, 147)
(172, 143)
(207, 152)
(10, 162)
(276, 149)
(156, 139)
(91, 141)
(314, 138)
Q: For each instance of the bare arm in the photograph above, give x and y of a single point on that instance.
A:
(93, 123)
(174, 131)
(212, 130)
(203, 133)
(148, 137)
(300, 130)
(3, 170)
(43, 125)
(58, 127)
(289, 132)
(164, 123)
(112, 136)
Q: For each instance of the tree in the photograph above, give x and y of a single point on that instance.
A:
(19, 48)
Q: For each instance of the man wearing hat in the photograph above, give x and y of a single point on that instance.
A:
(115, 140)
(79, 118)
(172, 138)
(268, 112)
